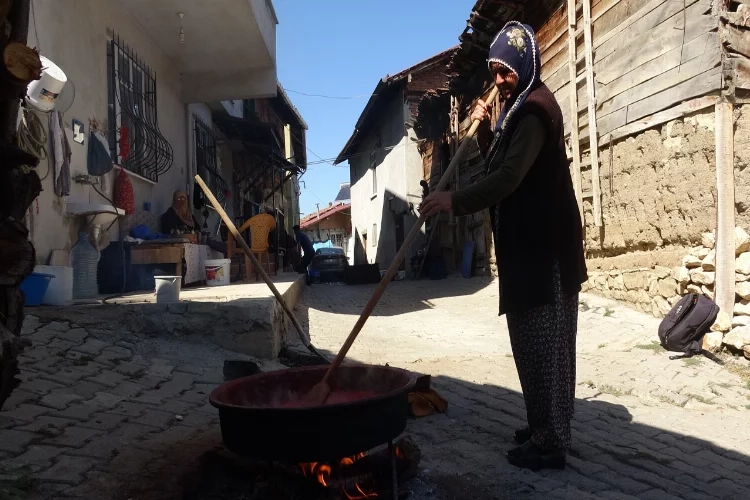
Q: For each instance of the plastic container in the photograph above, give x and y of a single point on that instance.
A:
(167, 289)
(34, 287)
(84, 259)
(60, 289)
(217, 272)
(42, 93)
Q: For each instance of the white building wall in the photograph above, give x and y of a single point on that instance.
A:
(398, 175)
(74, 36)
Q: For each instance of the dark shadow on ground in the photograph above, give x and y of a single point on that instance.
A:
(463, 457)
(351, 299)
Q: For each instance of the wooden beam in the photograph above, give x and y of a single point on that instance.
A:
(593, 137)
(646, 19)
(700, 85)
(657, 119)
(699, 66)
(741, 68)
(654, 43)
(707, 42)
(574, 140)
(665, 116)
(737, 40)
(725, 212)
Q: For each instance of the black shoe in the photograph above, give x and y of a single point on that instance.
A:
(522, 435)
(529, 456)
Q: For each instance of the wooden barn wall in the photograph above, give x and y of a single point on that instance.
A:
(643, 59)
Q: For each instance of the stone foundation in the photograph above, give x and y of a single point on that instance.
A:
(658, 208)
(656, 289)
(244, 318)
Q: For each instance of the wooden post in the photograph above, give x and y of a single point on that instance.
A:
(574, 140)
(725, 212)
(593, 135)
(18, 189)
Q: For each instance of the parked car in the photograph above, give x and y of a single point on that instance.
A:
(329, 264)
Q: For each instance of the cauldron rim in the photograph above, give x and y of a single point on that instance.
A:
(410, 380)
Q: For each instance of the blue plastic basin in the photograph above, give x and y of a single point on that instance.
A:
(34, 287)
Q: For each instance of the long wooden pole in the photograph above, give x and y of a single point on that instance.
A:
(725, 213)
(591, 92)
(241, 241)
(393, 268)
(575, 143)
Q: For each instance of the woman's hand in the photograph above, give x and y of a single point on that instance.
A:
(436, 202)
(481, 111)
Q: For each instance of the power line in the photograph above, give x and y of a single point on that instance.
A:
(330, 161)
(341, 98)
(355, 155)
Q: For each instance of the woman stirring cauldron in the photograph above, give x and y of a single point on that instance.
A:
(538, 241)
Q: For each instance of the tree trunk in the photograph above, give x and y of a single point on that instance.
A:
(19, 186)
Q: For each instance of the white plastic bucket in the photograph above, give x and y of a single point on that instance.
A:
(60, 290)
(42, 93)
(217, 272)
(167, 289)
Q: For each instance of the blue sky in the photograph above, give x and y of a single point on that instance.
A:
(341, 49)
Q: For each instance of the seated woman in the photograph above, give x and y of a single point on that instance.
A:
(178, 217)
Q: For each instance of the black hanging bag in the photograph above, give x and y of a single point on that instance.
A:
(683, 328)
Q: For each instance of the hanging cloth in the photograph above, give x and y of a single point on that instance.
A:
(99, 162)
(61, 154)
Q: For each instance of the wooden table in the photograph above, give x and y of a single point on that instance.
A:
(159, 254)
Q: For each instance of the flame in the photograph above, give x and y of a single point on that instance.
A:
(322, 473)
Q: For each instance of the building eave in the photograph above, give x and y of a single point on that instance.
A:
(384, 85)
(288, 102)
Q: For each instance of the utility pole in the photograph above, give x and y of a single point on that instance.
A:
(317, 206)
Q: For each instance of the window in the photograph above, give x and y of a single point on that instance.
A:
(374, 235)
(205, 159)
(135, 141)
(374, 164)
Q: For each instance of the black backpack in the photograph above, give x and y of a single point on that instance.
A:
(682, 330)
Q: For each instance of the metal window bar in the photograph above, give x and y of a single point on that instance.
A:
(205, 159)
(135, 140)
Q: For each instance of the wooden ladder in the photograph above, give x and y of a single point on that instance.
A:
(588, 76)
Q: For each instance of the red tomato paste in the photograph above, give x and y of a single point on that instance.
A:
(336, 397)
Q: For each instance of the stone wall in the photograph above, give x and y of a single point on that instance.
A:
(659, 212)
(658, 190)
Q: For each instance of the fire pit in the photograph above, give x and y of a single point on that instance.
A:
(222, 474)
(261, 416)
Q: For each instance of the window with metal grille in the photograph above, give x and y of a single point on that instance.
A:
(205, 159)
(135, 141)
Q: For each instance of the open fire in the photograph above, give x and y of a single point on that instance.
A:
(322, 472)
(364, 475)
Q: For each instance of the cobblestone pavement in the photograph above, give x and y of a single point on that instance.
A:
(98, 407)
(646, 427)
(107, 413)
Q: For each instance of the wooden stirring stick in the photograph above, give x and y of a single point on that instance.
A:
(241, 242)
(322, 389)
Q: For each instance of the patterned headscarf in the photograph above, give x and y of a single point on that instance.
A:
(183, 212)
(516, 48)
